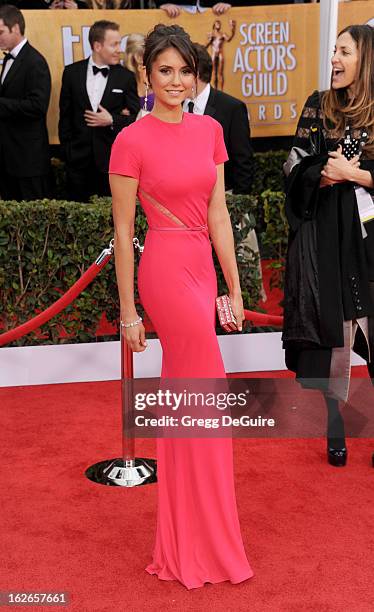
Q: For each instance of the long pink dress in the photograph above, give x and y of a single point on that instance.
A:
(198, 536)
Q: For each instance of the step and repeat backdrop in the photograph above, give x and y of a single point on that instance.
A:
(266, 56)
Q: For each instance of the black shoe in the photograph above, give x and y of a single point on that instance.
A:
(337, 456)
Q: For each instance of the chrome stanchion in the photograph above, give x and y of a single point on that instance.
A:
(130, 471)
(127, 471)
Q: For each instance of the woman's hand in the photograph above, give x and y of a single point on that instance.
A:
(172, 10)
(238, 309)
(135, 336)
(338, 168)
(220, 8)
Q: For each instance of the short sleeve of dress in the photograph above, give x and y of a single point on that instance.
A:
(220, 153)
(125, 156)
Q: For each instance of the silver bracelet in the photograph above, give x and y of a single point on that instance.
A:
(132, 324)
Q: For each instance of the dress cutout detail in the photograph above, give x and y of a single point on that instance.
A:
(162, 208)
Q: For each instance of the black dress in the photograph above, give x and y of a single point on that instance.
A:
(330, 266)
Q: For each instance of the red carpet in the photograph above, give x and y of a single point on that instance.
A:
(307, 527)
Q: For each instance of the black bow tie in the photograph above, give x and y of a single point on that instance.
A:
(8, 56)
(104, 71)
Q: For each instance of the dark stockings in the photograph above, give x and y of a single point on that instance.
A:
(335, 424)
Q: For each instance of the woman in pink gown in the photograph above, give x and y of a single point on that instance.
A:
(174, 162)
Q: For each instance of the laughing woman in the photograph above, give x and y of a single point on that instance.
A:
(329, 288)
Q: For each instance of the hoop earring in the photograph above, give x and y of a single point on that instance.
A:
(145, 105)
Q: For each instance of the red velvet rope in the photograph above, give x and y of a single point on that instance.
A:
(257, 318)
(262, 319)
(61, 303)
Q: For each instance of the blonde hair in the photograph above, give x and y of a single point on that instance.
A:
(134, 52)
(357, 111)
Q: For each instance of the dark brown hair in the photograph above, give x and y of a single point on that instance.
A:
(98, 30)
(164, 37)
(11, 16)
(357, 111)
(204, 63)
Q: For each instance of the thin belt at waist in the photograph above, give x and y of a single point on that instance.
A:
(199, 228)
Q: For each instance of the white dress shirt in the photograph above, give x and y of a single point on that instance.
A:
(200, 101)
(14, 52)
(95, 84)
(193, 8)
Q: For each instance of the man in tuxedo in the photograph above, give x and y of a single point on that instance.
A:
(232, 114)
(25, 88)
(94, 93)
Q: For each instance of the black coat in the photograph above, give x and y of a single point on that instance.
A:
(79, 141)
(24, 100)
(232, 114)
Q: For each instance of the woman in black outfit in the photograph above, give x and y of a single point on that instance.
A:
(329, 287)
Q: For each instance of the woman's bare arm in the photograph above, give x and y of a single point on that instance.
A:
(223, 241)
(124, 191)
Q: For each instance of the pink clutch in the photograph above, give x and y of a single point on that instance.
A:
(225, 313)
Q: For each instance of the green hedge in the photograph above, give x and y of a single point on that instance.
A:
(273, 236)
(269, 171)
(45, 246)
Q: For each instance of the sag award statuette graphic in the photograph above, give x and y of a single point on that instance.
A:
(217, 40)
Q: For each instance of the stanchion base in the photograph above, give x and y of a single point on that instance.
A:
(114, 473)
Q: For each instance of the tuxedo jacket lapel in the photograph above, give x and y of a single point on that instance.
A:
(83, 84)
(210, 108)
(1, 72)
(108, 87)
(17, 63)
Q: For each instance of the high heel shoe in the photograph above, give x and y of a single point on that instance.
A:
(337, 456)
